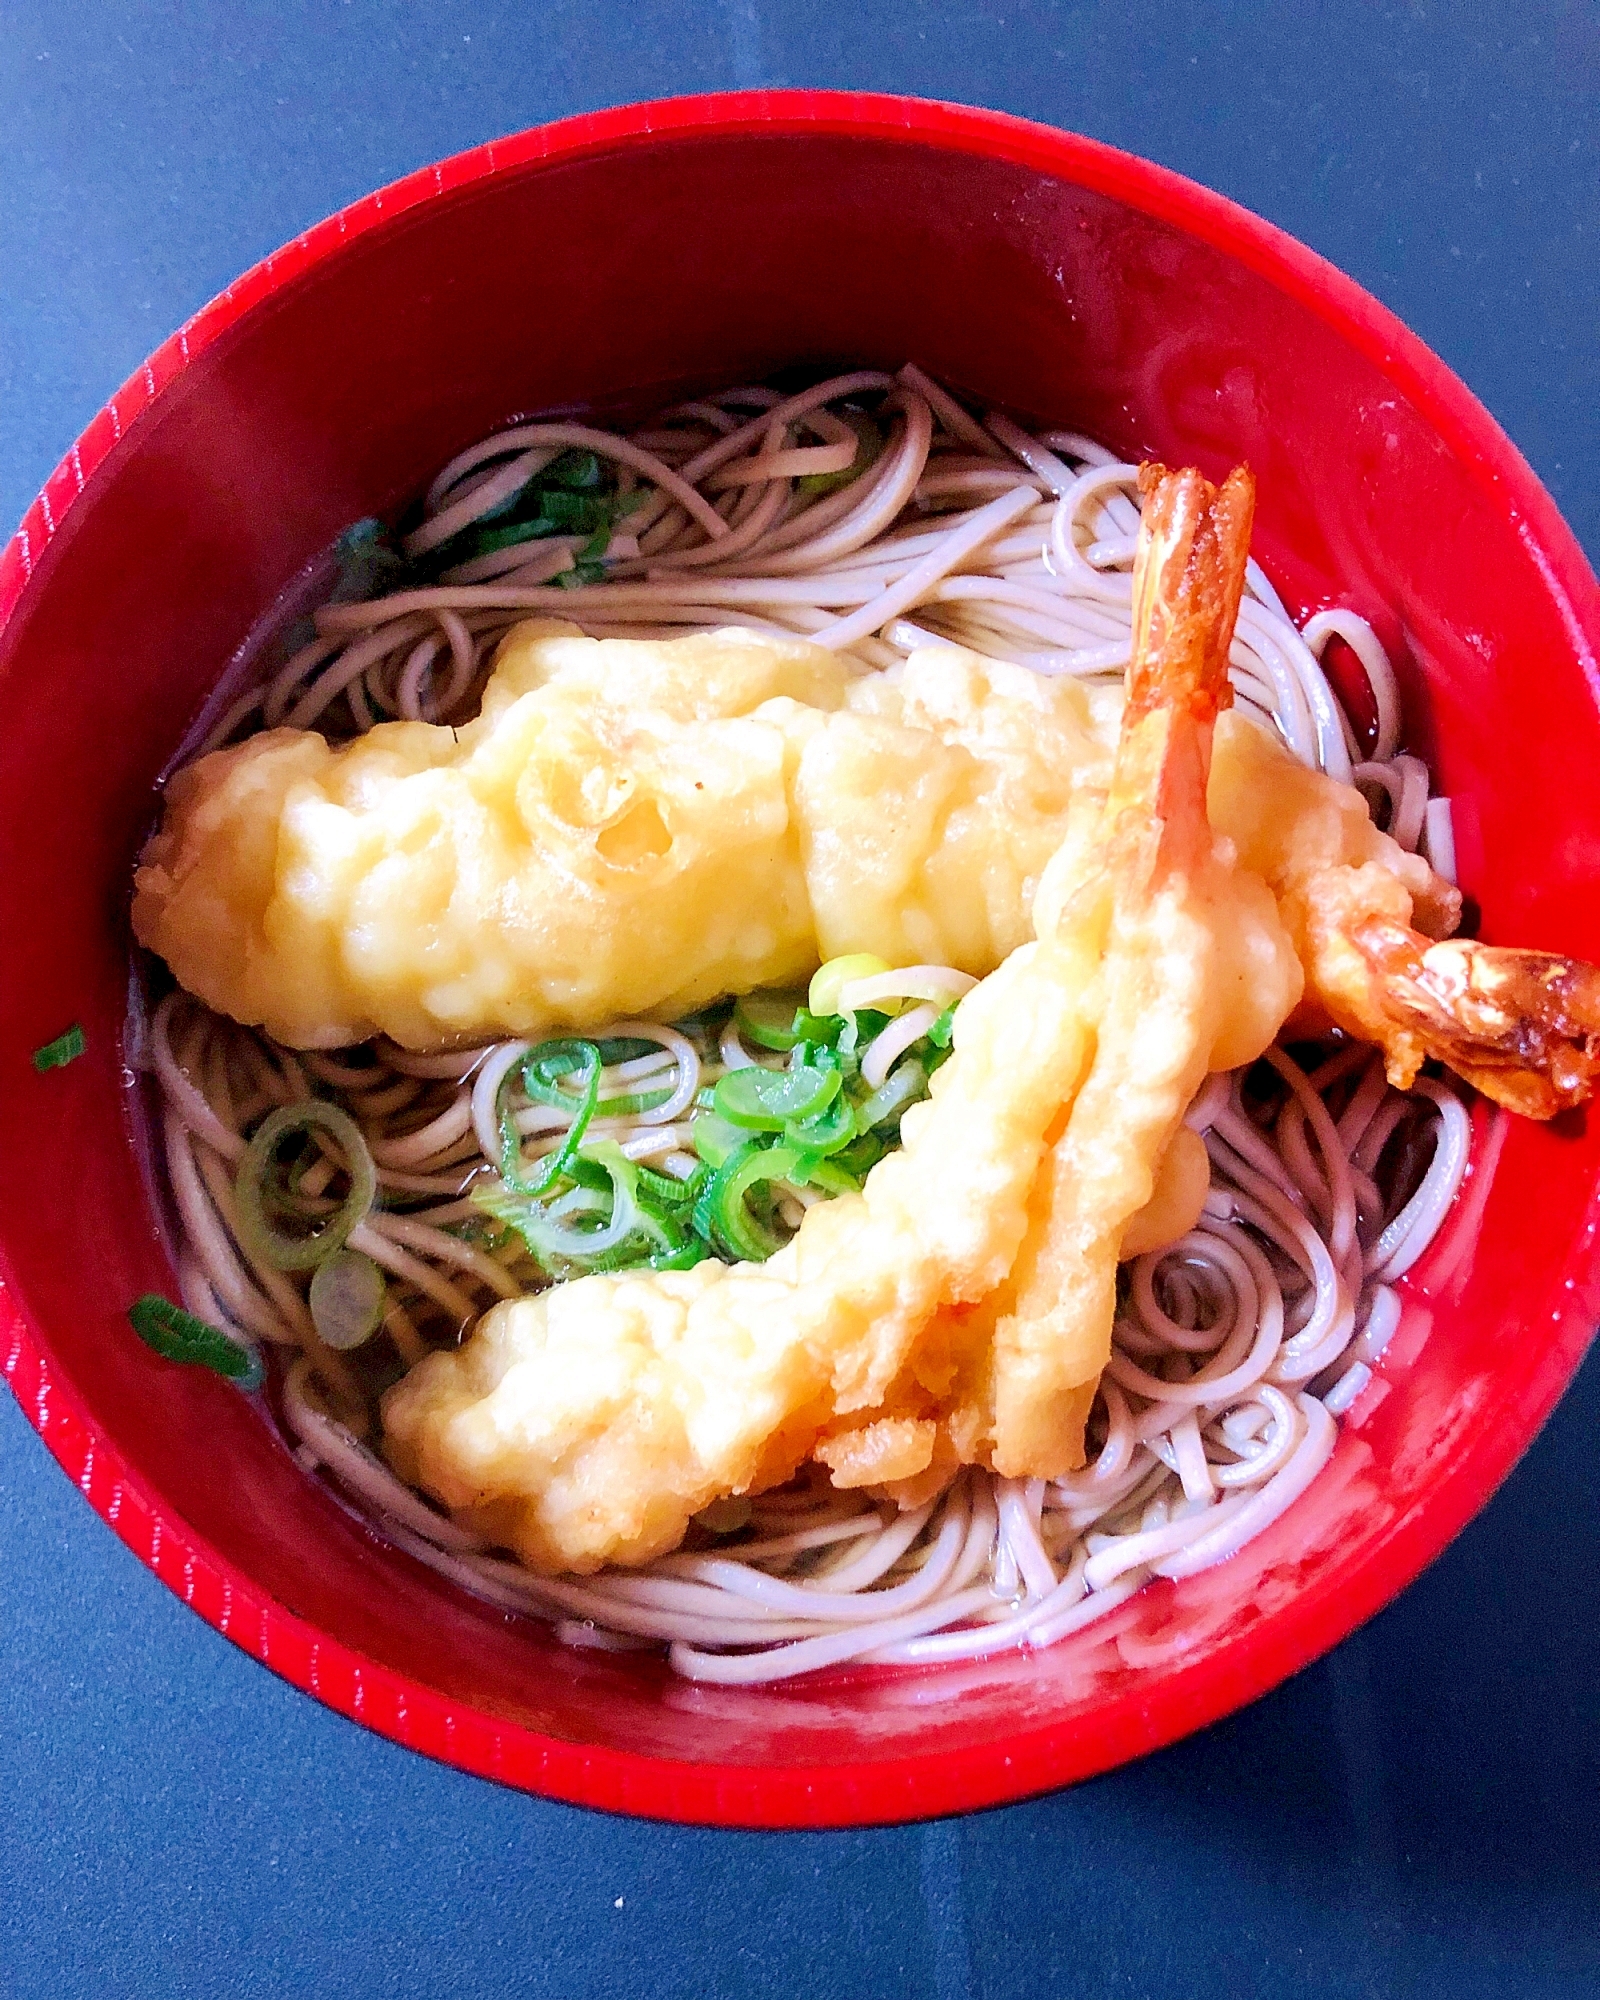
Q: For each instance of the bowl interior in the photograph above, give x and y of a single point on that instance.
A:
(611, 276)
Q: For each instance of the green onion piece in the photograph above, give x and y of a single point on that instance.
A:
(570, 496)
(179, 1336)
(544, 1067)
(824, 1131)
(65, 1048)
(251, 1186)
(813, 1170)
(550, 1169)
(869, 443)
(943, 1028)
(667, 1191)
(822, 1030)
(486, 541)
(856, 1036)
(577, 513)
(606, 1194)
(347, 1299)
(666, 1208)
(829, 980)
(695, 1251)
(626, 1048)
(713, 1138)
(902, 1087)
(766, 1100)
(769, 1020)
(859, 1157)
(577, 468)
(723, 1215)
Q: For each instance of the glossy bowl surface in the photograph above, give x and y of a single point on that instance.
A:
(610, 262)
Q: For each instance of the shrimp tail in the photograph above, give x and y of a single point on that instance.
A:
(1521, 1026)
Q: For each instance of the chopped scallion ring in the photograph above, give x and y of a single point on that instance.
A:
(254, 1187)
(64, 1049)
(347, 1299)
(765, 1100)
(830, 980)
(722, 1213)
(769, 1020)
(179, 1336)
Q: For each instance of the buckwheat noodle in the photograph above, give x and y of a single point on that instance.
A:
(1235, 1351)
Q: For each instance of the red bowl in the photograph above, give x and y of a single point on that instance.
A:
(614, 261)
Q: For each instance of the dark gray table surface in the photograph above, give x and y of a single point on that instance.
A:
(1416, 1814)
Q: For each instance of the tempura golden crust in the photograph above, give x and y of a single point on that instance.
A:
(628, 828)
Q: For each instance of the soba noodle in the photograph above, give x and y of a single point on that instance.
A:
(1235, 1350)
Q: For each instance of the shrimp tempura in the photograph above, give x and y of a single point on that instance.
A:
(1166, 904)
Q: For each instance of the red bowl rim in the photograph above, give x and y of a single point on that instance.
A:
(1036, 1759)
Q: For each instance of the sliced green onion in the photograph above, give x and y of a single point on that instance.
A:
(550, 1169)
(544, 1067)
(251, 1186)
(577, 513)
(623, 1175)
(859, 1157)
(65, 1048)
(869, 443)
(547, 1228)
(667, 1191)
(894, 991)
(821, 1030)
(713, 1138)
(625, 1048)
(607, 1190)
(659, 1206)
(943, 1028)
(577, 468)
(813, 1170)
(823, 1131)
(571, 495)
(766, 1100)
(347, 1299)
(722, 1213)
(179, 1336)
(693, 1250)
(488, 541)
(829, 980)
(769, 1020)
